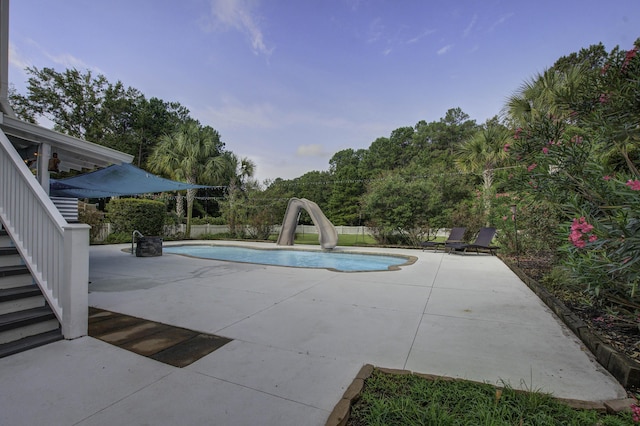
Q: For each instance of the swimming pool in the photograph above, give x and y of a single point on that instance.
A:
(343, 262)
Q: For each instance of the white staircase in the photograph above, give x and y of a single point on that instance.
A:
(26, 320)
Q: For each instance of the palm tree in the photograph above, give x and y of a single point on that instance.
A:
(547, 97)
(192, 154)
(237, 171)
(482, 154)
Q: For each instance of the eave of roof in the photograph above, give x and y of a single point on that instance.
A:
(75, 153)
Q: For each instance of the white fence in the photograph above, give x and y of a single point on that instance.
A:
(198, 230)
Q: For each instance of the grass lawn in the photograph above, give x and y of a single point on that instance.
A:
(392, 399)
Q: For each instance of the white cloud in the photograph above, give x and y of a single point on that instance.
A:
(311, 150)
(376, 30)
(501, 21)
(67, 60)
(234, 114)
(445, 49)
(420, 36)
(239, 14)
(17, 60)
(467, 30)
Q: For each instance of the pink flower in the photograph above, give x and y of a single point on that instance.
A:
(545, 150)
(604, 98)
(577, 139)
(531, 167)
(504, 218)
(506, 147)
(635, 413)
(607, 178)
(575, 235)
(633, 184)
(517, 134)
(630, 55)
(581, 232)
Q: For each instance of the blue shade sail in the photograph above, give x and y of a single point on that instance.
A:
(116, 180)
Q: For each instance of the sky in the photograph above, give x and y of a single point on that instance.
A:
(288, 83)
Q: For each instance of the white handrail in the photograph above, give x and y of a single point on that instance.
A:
(55, 252)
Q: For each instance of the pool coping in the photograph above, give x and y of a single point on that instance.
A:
(409, 259)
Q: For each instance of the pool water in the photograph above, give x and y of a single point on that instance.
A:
(345, 262)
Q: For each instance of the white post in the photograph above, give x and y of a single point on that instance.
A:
(44, 154)
(75, 303)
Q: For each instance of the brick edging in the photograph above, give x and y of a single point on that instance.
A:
(623, 368)
(342, 410)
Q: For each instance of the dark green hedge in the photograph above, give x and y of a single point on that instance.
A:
(129, 214)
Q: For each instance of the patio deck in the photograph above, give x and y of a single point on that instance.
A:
(299, 336)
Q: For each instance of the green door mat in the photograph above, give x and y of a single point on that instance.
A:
(165, 343)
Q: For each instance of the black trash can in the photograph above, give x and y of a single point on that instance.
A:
(149, 247)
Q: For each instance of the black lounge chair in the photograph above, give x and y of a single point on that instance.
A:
(455, 236)
(483, 241)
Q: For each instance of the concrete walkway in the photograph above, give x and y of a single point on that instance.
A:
(299, 338)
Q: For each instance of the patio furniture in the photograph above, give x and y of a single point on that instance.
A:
(483, 241)
(455, 236)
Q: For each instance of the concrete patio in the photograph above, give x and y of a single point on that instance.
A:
(299, 337)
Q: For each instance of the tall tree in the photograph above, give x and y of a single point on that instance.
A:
(315, 186)
(192, 154)
(348, 176)
(89, 107)
(236, 173)
(436, 141)
(483, 153)
(390, 153)
(152, 119)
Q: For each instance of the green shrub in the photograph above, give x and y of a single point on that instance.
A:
(92, 217)
(172, 218)
(118, 238)
(129, 214)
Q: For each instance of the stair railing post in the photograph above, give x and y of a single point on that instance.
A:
(75, 295)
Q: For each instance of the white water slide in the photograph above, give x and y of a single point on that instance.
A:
(327, 234)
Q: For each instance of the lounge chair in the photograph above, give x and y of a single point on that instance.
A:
(455, 236)
(483, 241)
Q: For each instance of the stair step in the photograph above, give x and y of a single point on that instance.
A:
(16, 293)
(24, 278)
(6, 271)
(26, 317)
(18, 325)
(11, 260)
(30, 342)
(15, 276)
(6, 251)
(5, 240)
(20, 298)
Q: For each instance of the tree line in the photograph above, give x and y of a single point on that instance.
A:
(563, 155)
